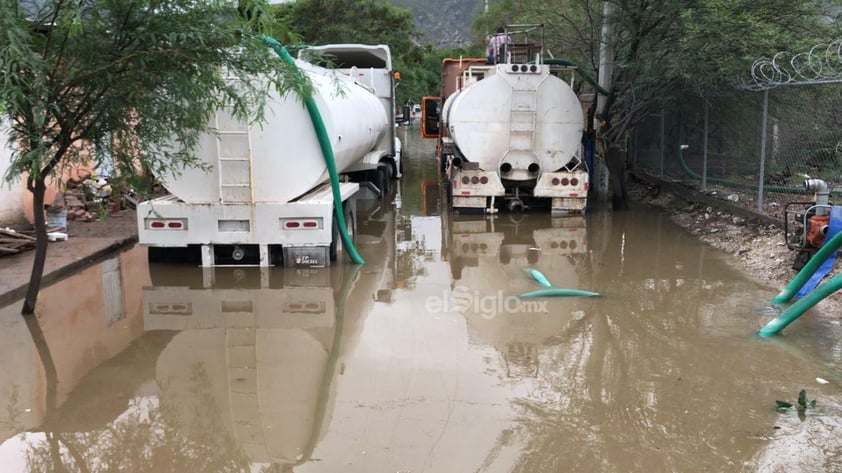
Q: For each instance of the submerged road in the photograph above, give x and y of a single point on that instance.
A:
(424, 359)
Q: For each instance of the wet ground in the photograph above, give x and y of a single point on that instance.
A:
(423, 360)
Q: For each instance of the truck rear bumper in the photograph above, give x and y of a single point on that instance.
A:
(306, 224)
(568, 190)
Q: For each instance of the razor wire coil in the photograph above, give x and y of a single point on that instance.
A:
(822, 64)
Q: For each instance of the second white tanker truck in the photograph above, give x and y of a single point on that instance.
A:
(509, 134)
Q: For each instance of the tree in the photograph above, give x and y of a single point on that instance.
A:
(134, 80)
(668, 50)
(367, 22)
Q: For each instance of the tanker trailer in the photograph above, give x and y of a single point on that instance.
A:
(264, 198)
(508, 132)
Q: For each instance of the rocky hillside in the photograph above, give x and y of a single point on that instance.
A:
(444, 23)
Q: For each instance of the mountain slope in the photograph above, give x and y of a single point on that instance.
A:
(444, 23)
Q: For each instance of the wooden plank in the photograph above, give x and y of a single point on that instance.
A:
(23, 236)
(16, 241)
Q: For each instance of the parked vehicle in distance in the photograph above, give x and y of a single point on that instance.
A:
(509, 134)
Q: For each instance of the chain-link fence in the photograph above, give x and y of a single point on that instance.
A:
(717, 144)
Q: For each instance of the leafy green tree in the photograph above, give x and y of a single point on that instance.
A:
(668, 50)
(126, 79)
(366, 22)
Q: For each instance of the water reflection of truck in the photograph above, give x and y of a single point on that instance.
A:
(265, 201)
(488, 258)
(509, 133)
(263, 347)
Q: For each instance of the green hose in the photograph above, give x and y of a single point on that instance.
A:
(552, 291)
(802, 305)
(539, 277)
(327, 152)
(330, 371)
(726, 182)
(826, 251)
(590, 80)
(556, 292)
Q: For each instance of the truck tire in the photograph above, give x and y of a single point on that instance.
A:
(382, 176)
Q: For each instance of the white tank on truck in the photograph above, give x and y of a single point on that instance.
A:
(265, 198)
(520, 120)
(286, 159)
(510, 132)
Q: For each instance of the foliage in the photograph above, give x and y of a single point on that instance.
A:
(125, 79)
(129, 82)
(150, 436)
(368, 22)
(665, 49)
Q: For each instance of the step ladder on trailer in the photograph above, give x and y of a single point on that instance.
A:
(234, 160)
(522, 124)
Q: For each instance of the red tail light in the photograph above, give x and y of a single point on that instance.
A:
(166, 223)
(301, 223)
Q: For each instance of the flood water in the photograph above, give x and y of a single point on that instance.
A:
(422, 360)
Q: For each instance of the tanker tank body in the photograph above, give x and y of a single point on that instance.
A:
(508, 132)
(265, 199)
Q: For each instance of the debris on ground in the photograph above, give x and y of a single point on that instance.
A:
(13, 242)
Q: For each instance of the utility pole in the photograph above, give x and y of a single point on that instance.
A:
(606, 57)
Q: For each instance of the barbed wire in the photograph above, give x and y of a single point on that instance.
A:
(822, 64)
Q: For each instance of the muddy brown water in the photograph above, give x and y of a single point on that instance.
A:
(423, 360)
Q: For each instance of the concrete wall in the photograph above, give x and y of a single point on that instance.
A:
(11, 206)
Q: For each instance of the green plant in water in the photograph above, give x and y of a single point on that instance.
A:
(803, 404)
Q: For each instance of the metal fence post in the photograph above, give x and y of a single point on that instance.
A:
(705, 151)
(763, 150)
(661, 169)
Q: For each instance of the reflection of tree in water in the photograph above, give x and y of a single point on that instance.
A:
(644, 383)
(411, 255)
(592, 407)
(520, 360)
(13, 409)
(148, 437)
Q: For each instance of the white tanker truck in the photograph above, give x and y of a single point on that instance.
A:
(265, 200)
(509, 132)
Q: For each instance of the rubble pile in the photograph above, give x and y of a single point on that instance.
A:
(85, 201)
(76, 204)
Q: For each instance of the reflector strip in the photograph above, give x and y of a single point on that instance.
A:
(165, 223)
(301, 223)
